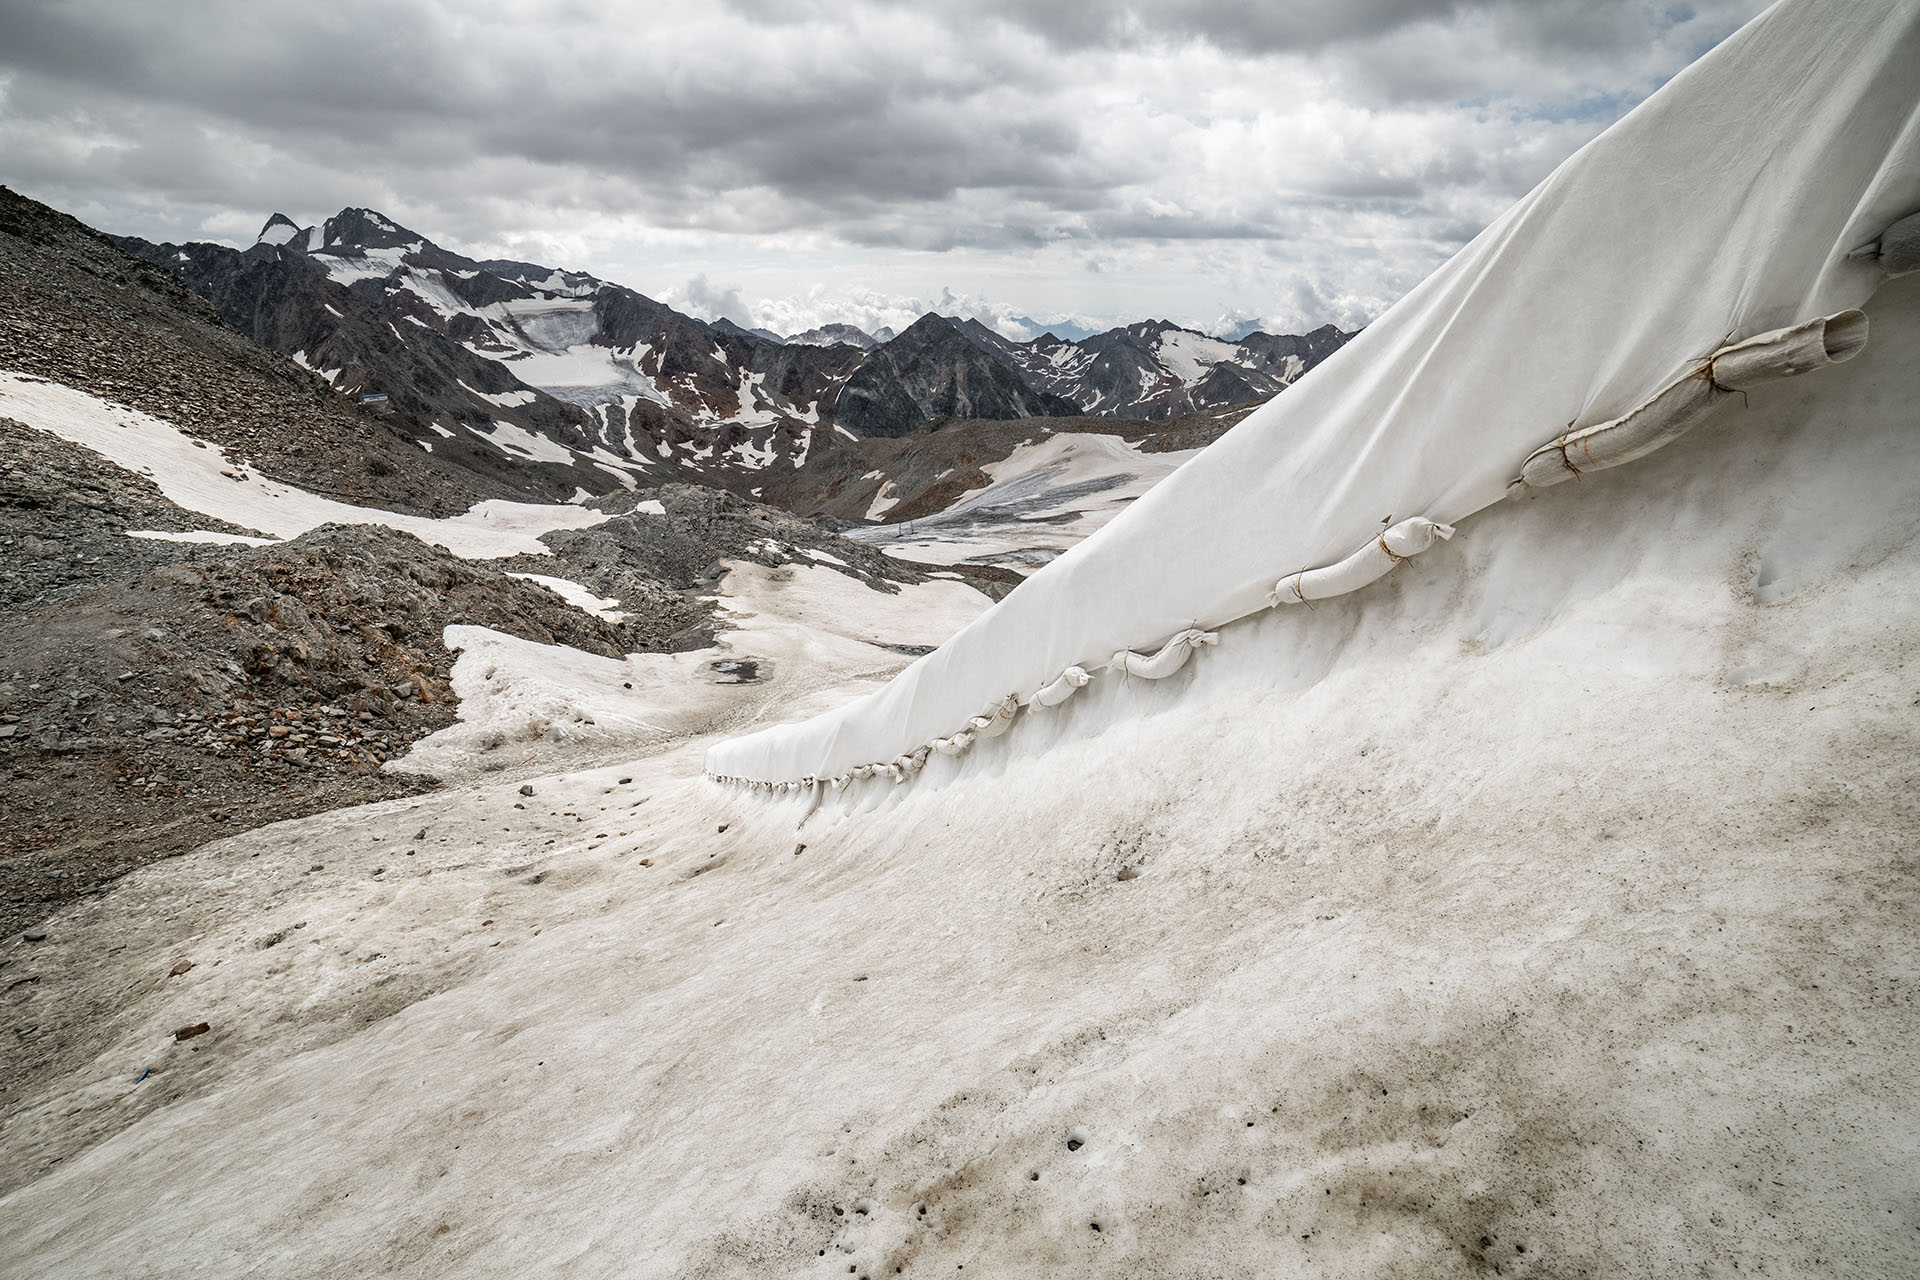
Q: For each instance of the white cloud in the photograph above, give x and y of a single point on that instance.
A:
(704, 300)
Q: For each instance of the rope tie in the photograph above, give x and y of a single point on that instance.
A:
(1706, 371)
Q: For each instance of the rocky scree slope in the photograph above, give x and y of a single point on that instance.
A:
(155, 694)
(230, 689)
(64, 517)
(643, 558)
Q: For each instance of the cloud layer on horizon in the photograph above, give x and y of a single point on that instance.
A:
(806, 161)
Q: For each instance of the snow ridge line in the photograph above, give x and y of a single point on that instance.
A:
(1660, 420)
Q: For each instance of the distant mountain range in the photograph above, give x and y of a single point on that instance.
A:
(602, 386)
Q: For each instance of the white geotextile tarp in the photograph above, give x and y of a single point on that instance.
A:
(1723, 206)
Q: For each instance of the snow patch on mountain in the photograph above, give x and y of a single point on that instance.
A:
(577, 595)
(331, 375)
(516, 440)
(1188, 356)
(198, 476)
(279, 230)
(505, 400)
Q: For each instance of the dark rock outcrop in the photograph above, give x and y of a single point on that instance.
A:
(934, 370)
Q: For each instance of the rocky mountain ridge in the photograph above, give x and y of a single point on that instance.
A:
(593, 386)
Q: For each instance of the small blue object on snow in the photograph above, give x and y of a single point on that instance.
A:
(143, 1075)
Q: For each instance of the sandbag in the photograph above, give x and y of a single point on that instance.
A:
(1683, 405)
(1375, 560)
(954, 745)
(996, 721)
(1059, 690)
(1172, 656)
(1786, 353)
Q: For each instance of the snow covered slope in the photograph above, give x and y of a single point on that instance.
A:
(1725, 205)
(1549, 908)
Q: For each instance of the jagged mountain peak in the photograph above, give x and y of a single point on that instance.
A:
(930, 327)
(279, 229)
(365, 229)
(724, 325)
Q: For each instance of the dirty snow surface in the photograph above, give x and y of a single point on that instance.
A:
(1548, 908)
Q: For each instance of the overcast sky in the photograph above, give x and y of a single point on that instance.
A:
(791, 162)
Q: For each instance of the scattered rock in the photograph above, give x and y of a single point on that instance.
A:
(526, 788)
(35, 935)
(188, 1033)
(179, 968)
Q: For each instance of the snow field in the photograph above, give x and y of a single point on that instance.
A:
(805, 633)
(211, 537)
(1040, 500)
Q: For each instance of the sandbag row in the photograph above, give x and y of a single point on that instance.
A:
(1375, 560)
(1408, 538)
(1686, 402)
(1734, 368)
